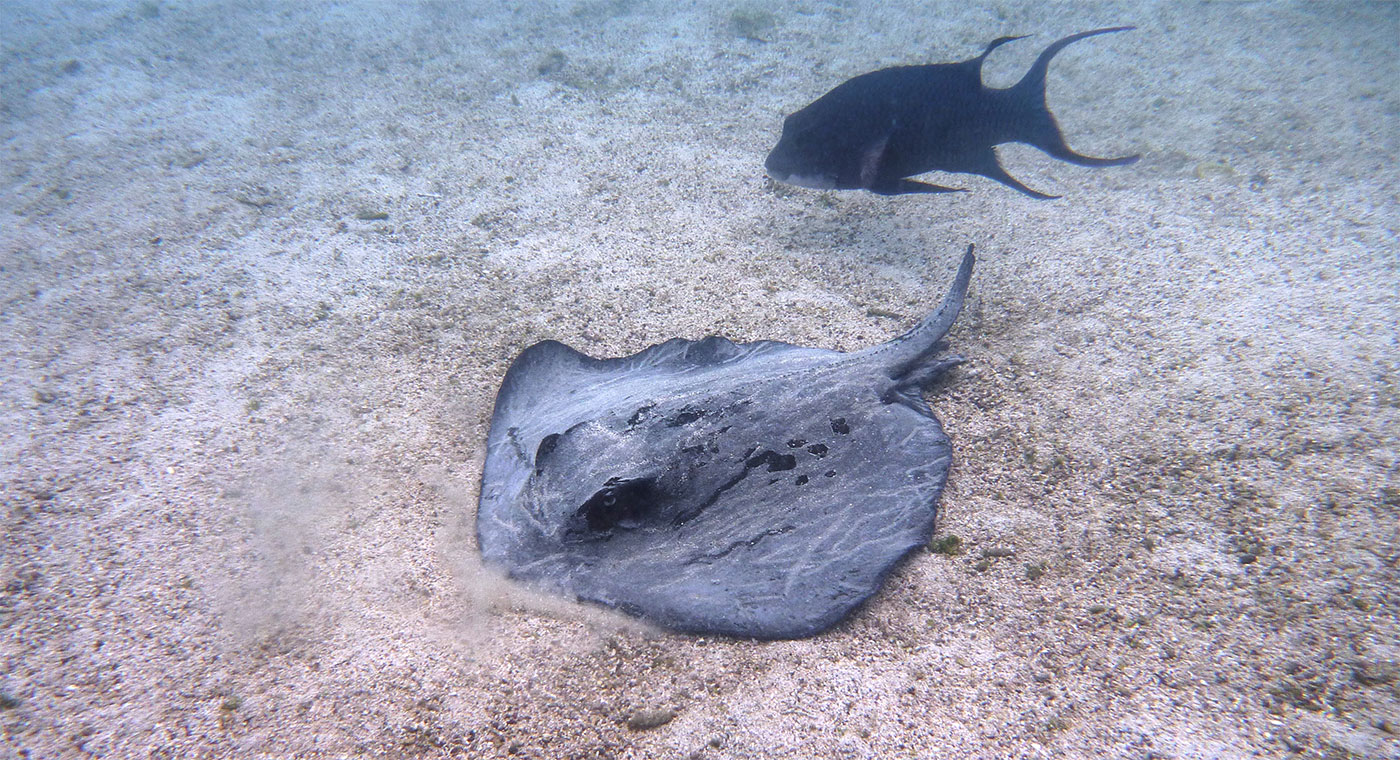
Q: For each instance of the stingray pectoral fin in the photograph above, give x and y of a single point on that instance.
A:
(904, 186)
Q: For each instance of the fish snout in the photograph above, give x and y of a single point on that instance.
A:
(775, 166)
(789, 167)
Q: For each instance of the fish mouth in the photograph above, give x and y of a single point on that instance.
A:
(780, 168)
(814, 181)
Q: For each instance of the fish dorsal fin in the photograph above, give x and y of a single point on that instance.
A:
(993, 45)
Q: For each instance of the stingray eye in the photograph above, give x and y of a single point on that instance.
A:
(621, 504)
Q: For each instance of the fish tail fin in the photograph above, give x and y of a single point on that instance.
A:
(993, 45)
(912, 358)
(1041, 129)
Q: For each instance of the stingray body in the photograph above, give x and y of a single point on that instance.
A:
(875, 131)
(759, 489)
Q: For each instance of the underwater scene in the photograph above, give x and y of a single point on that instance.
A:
(639, 379)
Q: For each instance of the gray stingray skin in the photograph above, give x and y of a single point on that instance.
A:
(760, 489)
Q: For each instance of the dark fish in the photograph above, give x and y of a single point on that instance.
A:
(874, 131)
(753, 489)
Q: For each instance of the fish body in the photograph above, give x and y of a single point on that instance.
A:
(877, 130)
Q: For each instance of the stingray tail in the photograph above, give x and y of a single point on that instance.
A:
(1039, 127)
(912, 358)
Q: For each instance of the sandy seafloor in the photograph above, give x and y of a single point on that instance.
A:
(242, 424)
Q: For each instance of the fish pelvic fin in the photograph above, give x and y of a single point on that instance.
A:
(906, 186)
(1041, 129)
(987, 165)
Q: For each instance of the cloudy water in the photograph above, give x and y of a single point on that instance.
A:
(264, 265)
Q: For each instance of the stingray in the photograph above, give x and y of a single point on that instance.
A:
(758, 490)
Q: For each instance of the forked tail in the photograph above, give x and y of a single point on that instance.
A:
(1039, 127)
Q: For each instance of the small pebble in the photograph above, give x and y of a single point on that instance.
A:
(643, 720)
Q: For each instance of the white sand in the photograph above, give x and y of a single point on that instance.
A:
(242, 428)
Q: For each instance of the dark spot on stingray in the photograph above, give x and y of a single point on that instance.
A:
(801, 480)
(838, 425)
(796, 443)
(546, 447)
(639, 518)
(776, 462)
(686, 417)
(639, 414)
(818, 449)
(875, 131)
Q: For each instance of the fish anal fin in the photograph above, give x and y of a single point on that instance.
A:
(986, 164)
